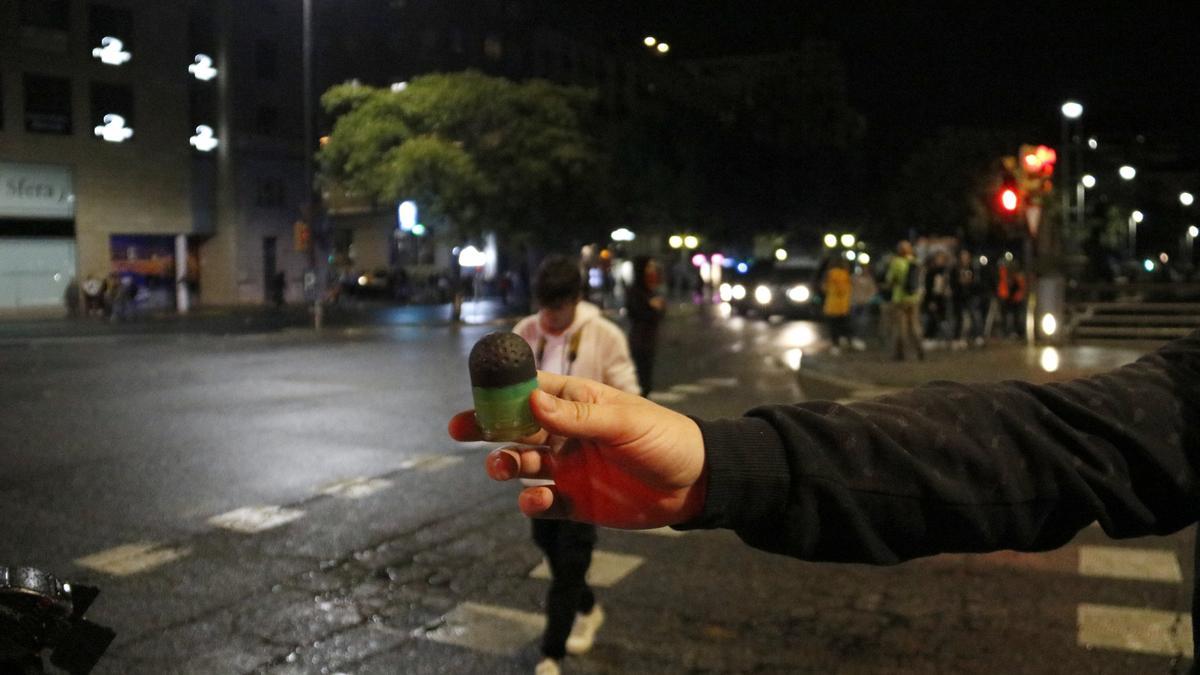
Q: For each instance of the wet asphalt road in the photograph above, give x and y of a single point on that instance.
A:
(133, 442)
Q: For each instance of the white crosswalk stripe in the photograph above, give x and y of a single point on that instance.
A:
(719, 381)
(1135, 629)
(1130, 563)
(690, 389)
(666, 397)
(355, 488)
(607, 568)
(254, 519)
(130, 559)
(501, 631)
(430, 463)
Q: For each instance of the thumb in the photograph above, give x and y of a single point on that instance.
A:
(576, 419)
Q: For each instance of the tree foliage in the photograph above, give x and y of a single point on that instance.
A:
(476, 151)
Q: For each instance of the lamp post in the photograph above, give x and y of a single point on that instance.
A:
(310, 203)
(1135, 219)
(1072, 111)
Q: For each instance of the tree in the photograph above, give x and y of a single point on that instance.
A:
(477, 152)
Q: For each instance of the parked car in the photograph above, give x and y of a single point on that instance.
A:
(769, 289)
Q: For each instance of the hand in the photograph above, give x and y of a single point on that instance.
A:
(617, 459)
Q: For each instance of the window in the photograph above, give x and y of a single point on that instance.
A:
(46, 14)
(105, 21)
(266, 120)
(270, 193)
(108, 101)
(266, 60)
(47, 105)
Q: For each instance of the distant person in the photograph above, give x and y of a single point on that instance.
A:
(93, 296)
(838, 289)
(904, 280)
(1011, 288)
(966, 289)
(935, 302)
(571, 337)
(644, 307)
(864, 300)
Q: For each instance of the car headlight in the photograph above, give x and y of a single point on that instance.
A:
(798, 293)
(739, 291)
(726, 292)
(763, 295)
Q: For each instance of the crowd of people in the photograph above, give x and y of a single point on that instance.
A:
(942, 301)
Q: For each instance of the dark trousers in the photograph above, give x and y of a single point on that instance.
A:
(568, 549)
(839, 327)
(643, 360)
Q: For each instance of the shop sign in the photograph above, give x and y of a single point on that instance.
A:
(36, 191)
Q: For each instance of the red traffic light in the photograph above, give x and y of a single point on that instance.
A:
(1008, 199)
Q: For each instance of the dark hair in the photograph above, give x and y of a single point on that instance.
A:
(558, 280)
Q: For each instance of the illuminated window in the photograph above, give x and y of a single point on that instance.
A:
(109, 22)
(109, 100)
(47, 105)
(266, 60)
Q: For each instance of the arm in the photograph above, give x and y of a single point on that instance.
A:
(950, 467)
(619, 371)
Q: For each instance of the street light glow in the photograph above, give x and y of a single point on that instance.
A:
(1088, 180)
(1072, 110)
(1093, 143)
(1137, 216)
(1049, 324)
(663, 48)
(848, 240)
(622, 234)
(1186, 198)
(1193, 231)
(831, 240)
(691, 241)
(675, 241)
(1127, 172)
(780, 254)
(649, 41)
(864, 258)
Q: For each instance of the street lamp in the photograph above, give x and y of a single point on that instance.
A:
(675, 241)
(1093, 143)
(649, 41)
(1135, 219)
(622, 234)
(1127, 172)
(663, 48)
(1137, 216)
(690, 242)
(781, 254)
(1186, 198)
(848, 240)
(831, 240)
(1088, 181)
(1072, 110)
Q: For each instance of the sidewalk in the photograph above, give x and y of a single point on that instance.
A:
(827, 376)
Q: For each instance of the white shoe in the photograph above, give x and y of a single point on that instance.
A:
(547, 666)
(583, 632)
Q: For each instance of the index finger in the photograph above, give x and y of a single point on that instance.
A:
(576, 388)
(464, 428)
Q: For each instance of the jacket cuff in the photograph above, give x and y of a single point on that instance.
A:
(747, 473)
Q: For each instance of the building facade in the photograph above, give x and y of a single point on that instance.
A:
(156, 140)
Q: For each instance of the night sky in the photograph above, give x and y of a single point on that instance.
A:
(915, 66)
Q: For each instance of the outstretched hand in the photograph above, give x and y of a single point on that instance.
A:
(616, 459)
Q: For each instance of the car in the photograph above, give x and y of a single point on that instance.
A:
(770, 289)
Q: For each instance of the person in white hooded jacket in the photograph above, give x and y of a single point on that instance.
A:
(571, 337)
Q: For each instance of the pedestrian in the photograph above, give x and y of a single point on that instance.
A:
(935, 302)
(904, 279)
(644, 307)
(571, 337)
(1010, 292)
(864, 299)
(837, 288)
(966, 288)
(93, 296)
(942, 468)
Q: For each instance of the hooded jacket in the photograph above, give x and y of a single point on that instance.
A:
(601, 353)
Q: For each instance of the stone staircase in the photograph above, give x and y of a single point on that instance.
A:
(1126, 320)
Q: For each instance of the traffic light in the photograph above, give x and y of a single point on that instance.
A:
(1009, 200)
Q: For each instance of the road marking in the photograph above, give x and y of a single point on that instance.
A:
(689, 389)
(252, 519)
(487, 628)
(130, 559)
(1133, 629)
(607, 569)
(666, 397)
(720, 381)
(1130, 563)
(431, 463)
(355, 488)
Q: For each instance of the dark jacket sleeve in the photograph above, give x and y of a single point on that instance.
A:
(638, 307)
(964, 468)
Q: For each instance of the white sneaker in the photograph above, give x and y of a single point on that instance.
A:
(583, 632)
(547, 666)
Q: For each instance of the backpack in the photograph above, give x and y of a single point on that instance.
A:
(912, 278)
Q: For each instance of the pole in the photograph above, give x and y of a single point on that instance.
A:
(309, 201)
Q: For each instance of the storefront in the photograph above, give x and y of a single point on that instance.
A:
(37, 235)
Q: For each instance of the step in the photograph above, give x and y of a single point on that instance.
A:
(1130, 332)
(1141, 319)
(1169, 307)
